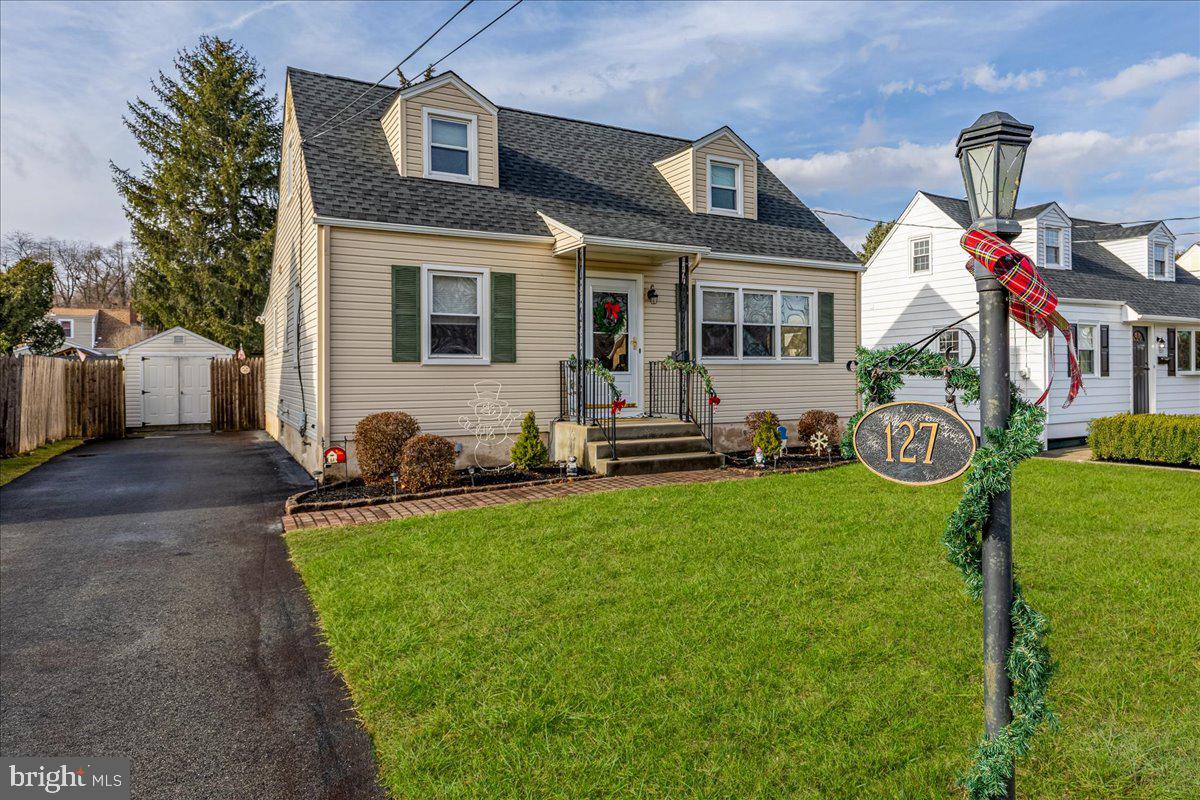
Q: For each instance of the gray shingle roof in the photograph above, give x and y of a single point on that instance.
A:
(596, 178)
(1097, 274)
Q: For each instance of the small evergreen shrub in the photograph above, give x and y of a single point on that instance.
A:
(428, 462)
(1156, 438)
(379, 441)
(767, 437)
(756, 420)
(817, 421)
(528, 451)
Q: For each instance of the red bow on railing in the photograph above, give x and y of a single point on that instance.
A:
(619, 404)
(1033, 305)
(713, 400)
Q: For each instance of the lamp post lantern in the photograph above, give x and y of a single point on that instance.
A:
(991, 153)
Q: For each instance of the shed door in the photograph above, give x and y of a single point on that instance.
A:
(160, 390)
(194, 391)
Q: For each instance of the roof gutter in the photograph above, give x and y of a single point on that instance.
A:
(430, 230)
(847, 266)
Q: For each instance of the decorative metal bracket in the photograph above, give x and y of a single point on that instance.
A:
(894, 363)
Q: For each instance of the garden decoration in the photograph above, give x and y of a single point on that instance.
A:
(783, 440)
(760, 458)
(491, 418)
(609, 317)
(819, 443)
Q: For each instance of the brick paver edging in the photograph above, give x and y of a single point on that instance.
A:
(414, 508)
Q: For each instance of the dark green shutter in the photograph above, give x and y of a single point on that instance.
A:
(504, 318)
(825, 326)
(406, 313)
(1171, 362)
(1103, 351)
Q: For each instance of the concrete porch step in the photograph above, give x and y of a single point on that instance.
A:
(637, 429)
(665, 445)
(644, 465)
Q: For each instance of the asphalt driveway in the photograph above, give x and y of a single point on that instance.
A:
(148, 610)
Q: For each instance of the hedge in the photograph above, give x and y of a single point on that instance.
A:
(1157, 438)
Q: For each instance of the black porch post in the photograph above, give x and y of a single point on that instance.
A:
(681, 329)
(580, 334)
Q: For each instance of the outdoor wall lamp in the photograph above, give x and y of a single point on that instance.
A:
(652, 295)
(991, 153)
(1162, 344)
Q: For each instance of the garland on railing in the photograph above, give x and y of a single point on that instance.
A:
(694, 368)
(594, 366)
(1029, 664)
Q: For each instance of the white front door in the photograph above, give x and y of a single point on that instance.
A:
(160, 390)
(194, 392)
(614, 335)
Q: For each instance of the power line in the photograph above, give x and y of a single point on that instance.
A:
(476, 33)
(321, 129)
(955, 228)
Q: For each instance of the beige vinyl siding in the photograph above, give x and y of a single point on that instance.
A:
(290, 389)
(449, 98)
(393, 129)
(787, 388)
(678, 172)
(724, 147)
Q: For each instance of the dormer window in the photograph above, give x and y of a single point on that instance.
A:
(724, 187)
(1054, 247)
(451, 146)
(1160, 261)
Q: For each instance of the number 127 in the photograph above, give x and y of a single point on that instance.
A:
(912, 433)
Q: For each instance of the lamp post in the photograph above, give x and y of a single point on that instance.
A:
(992, 155)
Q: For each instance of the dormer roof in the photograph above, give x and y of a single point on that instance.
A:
(437, 82)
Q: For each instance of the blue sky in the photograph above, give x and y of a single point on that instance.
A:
(853, 105)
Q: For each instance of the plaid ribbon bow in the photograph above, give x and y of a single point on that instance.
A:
(1033, 305)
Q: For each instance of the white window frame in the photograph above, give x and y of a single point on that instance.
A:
(1095, 326)
(739, 290)
(472, 120)
(1195, 370)
(1061, 261)
(912, 256)
(71, 324)
(483, 304)
(739, 185)
(957, 342)
(1154, 259)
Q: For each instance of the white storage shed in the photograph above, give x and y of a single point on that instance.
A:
(167, 378)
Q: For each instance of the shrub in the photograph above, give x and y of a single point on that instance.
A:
(379, 441)
(428, 462)
(756, 420)
(817, 421)
(1157, 438)
(528, 451)
(766, 436)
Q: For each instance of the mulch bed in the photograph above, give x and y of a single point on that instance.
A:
(354, 493)
(742, 463)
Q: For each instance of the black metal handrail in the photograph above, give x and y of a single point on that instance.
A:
(676, 393)
(598, 397)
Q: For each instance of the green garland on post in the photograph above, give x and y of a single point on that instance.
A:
(1029, 664)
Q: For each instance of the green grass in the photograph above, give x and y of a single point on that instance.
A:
(796, 636)
(15, 467)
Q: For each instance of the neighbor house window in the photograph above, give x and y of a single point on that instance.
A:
(450, 146)
(1054, 247)
(1160, 260)
(68, 327)
(1087, 349)
(1187, 351)
(456, 318)
(724, 187)
(756, 323)
(919, 252)
(948, 346)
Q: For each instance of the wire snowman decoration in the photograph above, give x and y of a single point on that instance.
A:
(491, 418)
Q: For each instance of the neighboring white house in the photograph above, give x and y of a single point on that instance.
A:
(167, 378)
(1136, 314)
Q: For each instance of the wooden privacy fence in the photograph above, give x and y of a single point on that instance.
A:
(46, 399)
(237, 394)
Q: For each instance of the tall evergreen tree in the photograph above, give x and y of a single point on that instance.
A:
(875, 237)
(203, 208)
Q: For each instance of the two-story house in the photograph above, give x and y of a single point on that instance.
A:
(97, 332)
(1135, 313)
(447, 257)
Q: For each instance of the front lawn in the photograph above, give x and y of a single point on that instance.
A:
(796, 636)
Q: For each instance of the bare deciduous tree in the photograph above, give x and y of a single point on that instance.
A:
(86, 274)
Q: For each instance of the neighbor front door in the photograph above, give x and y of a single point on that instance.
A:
(614, 326)
(1141, 370)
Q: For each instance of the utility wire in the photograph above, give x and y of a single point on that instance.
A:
(323, 128)
(476, 33)
(955, 228)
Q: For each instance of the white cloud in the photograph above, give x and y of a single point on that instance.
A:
(899, 87)
(1148, 74)
(985, 77)
(865, 170)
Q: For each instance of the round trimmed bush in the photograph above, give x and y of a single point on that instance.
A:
(379, 441)
(428, 462)
(817, 421)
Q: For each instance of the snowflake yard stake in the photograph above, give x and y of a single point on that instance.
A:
(820, 443)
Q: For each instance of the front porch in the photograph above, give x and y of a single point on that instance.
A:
(618, 412)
